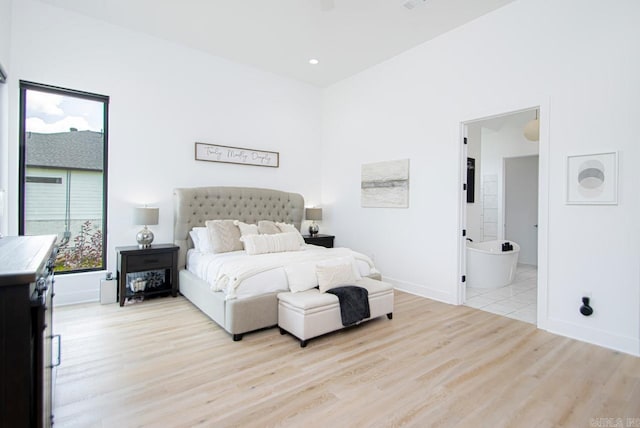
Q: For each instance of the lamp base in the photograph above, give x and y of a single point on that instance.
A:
(313, 228)
(144, 238)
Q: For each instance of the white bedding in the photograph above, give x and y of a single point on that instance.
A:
(239, 275)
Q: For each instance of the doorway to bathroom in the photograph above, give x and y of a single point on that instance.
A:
(502, 206)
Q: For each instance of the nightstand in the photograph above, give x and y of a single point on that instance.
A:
(161, 257)
(319, 239)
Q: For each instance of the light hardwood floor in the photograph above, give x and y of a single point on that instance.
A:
(162, 363)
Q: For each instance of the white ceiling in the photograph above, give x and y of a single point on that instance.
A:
(280, 36)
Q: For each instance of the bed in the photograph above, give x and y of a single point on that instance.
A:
(193, 207)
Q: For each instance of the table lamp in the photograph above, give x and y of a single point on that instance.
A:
(145, 216)
(313, 214)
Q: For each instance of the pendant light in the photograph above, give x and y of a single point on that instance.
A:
(532, 129)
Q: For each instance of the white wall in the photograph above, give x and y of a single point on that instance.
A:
(5, 32)
(560, 54)
(5, 49)
(164, 98)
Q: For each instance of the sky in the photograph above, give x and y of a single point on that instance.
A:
(50, 113)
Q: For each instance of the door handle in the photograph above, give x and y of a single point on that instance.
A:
(57, 336)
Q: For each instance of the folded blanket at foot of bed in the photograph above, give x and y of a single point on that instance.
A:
(354, 303)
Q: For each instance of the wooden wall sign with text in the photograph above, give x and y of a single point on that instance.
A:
(239, 155)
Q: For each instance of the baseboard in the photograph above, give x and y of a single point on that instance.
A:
(75, 298)
(76, 288)
(421, 290)
(626, 344)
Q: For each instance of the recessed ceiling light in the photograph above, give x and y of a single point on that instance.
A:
(413, 3)
(327, 5)
(314, 61)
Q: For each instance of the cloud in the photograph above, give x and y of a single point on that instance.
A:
(35, 124)
(43, 102)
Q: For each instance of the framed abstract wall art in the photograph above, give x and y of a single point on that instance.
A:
(592, 179)
(385, 184)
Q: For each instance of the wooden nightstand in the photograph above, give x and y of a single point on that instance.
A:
(132, 259)
(319, 239)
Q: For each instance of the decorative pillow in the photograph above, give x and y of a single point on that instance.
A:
(224, 236)
(246, 229)
(289, 228)
(255, 244)
(301, 276)
(267, 227)
(341, 261)
(334, 275)
(276, 243)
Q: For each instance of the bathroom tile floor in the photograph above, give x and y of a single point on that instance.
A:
(517, 300)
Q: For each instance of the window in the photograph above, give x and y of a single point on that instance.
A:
(63, 172)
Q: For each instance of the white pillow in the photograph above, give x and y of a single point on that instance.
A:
(341, 261)
(201, 243)
(224, 236)
(194, 239)
(255, 244)
(301, 276)
(334, 275)
(289, 228)
(276, 243)
(246, 229)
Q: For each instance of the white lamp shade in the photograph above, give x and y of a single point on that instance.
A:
(146, 216)
(313, 214)
(532, 130)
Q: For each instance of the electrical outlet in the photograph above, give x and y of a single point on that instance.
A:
(586, 308)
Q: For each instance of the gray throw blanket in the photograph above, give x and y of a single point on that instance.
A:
(354, 303)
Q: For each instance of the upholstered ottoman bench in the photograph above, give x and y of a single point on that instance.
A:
(310, 313)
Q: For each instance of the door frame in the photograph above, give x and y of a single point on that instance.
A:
(543, 106)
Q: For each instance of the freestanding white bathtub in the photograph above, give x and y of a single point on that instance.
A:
(490, 267)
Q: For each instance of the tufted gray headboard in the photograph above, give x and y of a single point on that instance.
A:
(194, 206)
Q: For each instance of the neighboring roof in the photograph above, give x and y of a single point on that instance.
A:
(68, 150)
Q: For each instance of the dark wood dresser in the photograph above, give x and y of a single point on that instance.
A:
(26, 290)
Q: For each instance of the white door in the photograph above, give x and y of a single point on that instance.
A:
(521, 206)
